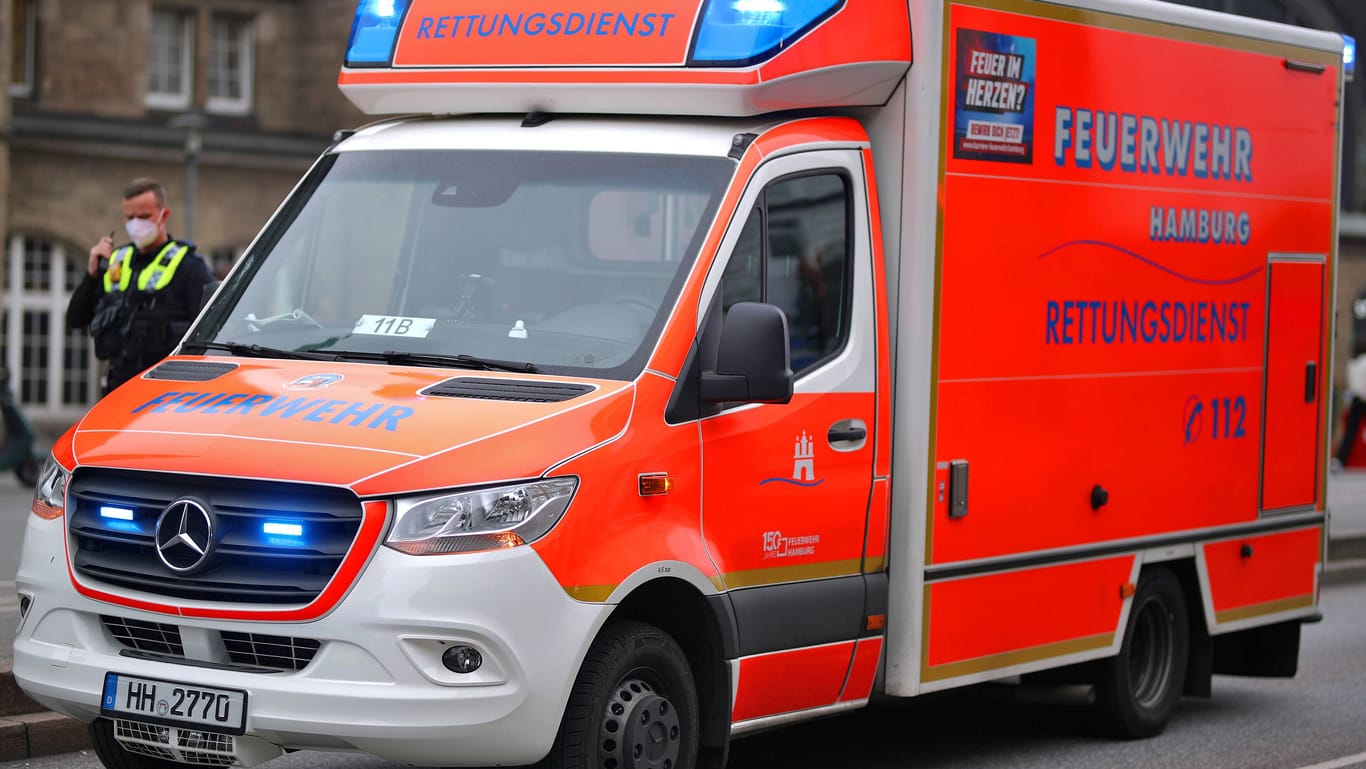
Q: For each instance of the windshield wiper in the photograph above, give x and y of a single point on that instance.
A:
(257, 351)
(400, 358)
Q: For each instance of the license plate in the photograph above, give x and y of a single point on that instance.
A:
(176, 704)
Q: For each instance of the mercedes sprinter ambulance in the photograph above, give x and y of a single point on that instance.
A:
(676, 369)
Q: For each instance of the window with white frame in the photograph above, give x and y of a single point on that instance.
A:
(23, 39)
(170, 54)
(53, 371)
(231, 44)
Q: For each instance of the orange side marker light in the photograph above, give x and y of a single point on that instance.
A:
(47, 512)
(655, 484)
(1127, 590)
(877, 621)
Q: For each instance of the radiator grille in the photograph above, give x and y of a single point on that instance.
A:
(143, 636)
(269, 651)
(113, 519)
(258, 651)
(187, 746)
(144, 739)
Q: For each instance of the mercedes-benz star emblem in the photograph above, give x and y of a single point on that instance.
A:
(185, 536)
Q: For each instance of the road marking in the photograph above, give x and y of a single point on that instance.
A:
(1338, 763)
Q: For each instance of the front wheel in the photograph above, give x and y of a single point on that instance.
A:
(633, 706)
(1137, 691)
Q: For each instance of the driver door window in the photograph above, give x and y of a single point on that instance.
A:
(793, 253)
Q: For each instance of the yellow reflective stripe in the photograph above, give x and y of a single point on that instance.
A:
(161, 268)
(117, 264)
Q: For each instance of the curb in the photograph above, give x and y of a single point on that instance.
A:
(31, 735)
(27, 730)
(1344, 570)
(1348, 548)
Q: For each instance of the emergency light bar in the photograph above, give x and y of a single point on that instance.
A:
(374, 32)
(731, 32)
(703, 57)
(1349, 57)
(739, 32)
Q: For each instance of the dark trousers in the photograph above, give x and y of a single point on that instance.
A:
(1355, 414)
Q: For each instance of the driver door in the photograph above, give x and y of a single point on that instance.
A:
(786, 486)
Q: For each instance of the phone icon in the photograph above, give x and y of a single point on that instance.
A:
(1194, 418)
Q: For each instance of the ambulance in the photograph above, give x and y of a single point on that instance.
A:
(654, 373)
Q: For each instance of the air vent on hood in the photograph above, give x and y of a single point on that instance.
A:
(190, 370)
(507, 390)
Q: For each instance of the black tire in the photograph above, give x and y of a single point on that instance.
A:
(27, 472)
(1137, 691)
(115, 756)
(633, 706)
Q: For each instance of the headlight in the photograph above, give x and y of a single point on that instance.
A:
(487, 519)
(49, 496)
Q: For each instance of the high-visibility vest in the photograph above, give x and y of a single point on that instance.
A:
(154, 276)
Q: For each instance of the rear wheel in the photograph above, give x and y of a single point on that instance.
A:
(634, 705)
(115, 756)
(1137, 691)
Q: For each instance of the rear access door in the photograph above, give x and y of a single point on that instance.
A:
(1292, 436)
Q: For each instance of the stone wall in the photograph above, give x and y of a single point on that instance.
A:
(88, 67)
(75, 200)
(91, 71)
(98, 66)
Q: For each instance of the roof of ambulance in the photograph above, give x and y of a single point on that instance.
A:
(586, 134)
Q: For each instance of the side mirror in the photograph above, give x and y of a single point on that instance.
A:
(752, 363)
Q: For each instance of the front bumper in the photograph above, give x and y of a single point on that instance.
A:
(376, 683)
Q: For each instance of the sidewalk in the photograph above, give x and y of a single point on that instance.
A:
(27, 731)
(1347, 521)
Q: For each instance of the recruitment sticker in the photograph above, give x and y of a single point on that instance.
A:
(994, 97)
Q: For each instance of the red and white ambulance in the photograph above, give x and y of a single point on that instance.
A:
(684, 368)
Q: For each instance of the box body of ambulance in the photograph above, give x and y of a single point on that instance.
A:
(695, 367)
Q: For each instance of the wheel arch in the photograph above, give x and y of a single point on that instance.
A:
(1200, 661)
(704, 626)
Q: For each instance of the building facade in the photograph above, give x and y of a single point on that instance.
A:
(236, 96)
(240, 96)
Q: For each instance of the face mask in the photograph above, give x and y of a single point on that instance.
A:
(142, 231)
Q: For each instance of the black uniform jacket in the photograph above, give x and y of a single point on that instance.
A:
(160, 318)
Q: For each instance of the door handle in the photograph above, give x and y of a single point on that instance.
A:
(846, 434)
(1311, 381)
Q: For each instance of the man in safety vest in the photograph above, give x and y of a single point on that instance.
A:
(138, 300)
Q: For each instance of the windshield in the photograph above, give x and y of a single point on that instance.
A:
(568, 262)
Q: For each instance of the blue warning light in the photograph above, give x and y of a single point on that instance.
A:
(743, 32)
(283, 534)
(374, 32)
(283, 529)
(117, 513)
